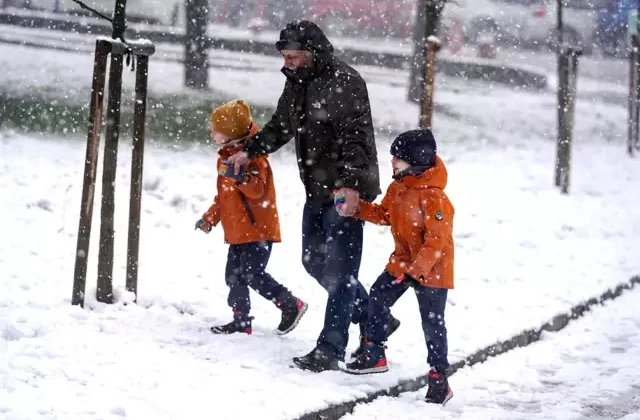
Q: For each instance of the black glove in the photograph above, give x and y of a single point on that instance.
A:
(227, 172)
(203, 226)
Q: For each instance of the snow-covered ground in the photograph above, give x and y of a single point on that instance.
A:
(587, 371)
(523, 253)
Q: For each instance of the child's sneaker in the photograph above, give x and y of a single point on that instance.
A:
(439, 391)
(371, 360)
(393, 326)
(238, 325)
(291, 317)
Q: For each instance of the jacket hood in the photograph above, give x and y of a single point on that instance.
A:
(434, 177)
(304, 35)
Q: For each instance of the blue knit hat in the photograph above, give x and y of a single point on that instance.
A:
(416, 147)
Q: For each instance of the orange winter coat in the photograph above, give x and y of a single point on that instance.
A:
(247, 210)
(421, 220)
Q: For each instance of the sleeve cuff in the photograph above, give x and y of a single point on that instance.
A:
(253, 149)
(348, 179)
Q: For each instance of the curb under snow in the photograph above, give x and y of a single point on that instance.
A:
(524, 338)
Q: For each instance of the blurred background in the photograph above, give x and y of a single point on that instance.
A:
(597, 25)
(516, 38)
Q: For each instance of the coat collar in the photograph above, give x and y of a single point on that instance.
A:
(236, 146)
(434, 177)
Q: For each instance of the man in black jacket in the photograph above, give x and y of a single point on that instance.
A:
(325, 109)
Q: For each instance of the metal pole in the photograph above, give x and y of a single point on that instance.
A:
(196, 62)
(105, 256)
(572, 80)
(636, 47)
(633, 95)
(563, 88)
(90, 169)
(561, 72)
(636, 122)
(137, 159)
(560, 23)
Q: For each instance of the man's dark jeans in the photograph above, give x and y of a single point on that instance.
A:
(331, 253)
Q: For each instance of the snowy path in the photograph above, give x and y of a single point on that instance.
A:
(522, 256)
(587, 371)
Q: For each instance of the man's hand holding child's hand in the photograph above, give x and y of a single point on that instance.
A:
(347, 201)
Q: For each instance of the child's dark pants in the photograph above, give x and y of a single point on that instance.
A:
(384, 294)
(246, 265)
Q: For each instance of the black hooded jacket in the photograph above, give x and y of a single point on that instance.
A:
(325, 110)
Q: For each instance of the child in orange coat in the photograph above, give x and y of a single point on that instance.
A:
(246, 207)
(421, 219)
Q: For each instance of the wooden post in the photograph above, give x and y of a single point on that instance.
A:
(137, 159)
(117, 48)
(427, 20)
(105, 257)
(426, 98)
(90, 168)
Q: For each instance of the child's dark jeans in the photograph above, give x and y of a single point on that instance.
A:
(384, 294)
(246, 265)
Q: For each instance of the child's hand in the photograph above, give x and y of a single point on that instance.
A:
(338, 200)
(399, 280)
(239, 160)
(203, 226)
(408, 280)
(227, 171)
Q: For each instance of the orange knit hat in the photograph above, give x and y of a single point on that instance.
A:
(233, 119)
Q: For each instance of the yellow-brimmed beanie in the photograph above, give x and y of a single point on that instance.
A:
(233, 119)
